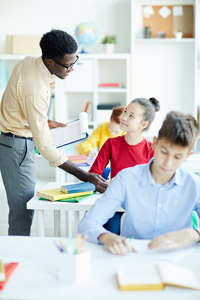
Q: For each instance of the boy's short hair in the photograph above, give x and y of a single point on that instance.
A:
(116, 113)
(179, 129)
(57, 43)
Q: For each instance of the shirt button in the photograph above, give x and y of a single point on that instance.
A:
(158, 222)
(159, 205)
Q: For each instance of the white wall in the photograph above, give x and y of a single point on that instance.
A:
(35, 17)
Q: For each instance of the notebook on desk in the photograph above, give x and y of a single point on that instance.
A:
(71, 199)
(77, 187)
(56, 194)
(143, 276)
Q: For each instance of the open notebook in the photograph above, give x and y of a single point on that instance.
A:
(75, 131)
(144, 276)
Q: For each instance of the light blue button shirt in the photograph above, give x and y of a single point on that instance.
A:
(151, 209)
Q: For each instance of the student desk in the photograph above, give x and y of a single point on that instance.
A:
(57, 207)
(35, 277)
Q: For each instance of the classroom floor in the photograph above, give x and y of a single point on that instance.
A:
(44, 174)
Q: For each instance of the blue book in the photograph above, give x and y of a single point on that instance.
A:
(77, 188)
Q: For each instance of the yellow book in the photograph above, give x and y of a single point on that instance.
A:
(155, 277)
(2, 271)
(56, 194)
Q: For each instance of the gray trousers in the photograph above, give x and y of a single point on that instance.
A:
(18, 173)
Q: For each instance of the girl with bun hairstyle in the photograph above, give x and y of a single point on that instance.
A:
(130, 149)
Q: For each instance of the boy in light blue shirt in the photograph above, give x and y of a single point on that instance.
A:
(160, 191)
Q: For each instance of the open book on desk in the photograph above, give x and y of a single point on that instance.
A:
(75, 131)
(143, 276)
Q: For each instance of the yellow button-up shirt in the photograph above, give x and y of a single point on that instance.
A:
(24, 107)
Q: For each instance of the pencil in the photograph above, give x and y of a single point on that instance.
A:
(79, 243)
(84, 239)
(93, 141)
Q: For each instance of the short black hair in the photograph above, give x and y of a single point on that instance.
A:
(179, 129)
(57, 43)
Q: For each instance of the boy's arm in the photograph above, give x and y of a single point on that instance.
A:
(103, 209)
(175, 240)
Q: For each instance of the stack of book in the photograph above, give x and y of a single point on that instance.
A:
(78, 159)
(68, 193)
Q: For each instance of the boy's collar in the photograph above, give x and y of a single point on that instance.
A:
(147, 177)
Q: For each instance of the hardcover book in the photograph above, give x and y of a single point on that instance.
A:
(77, 187)
(56, 194)
(155, 277)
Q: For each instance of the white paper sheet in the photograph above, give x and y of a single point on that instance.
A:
(167, 255)
(177, 11)
(164, 12)
(75, 131)
(148, 10)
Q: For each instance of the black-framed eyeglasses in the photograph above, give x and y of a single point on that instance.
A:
(67, 67)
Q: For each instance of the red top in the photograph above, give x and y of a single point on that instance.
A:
(121, 155)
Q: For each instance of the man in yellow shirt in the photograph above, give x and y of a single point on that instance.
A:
(24, 124)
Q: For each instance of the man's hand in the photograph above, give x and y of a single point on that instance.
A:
(100, 183)
(116, 244)
(175, 240)
(54, 124)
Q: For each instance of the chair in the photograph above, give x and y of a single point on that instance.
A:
(195, 220)
(106, 173)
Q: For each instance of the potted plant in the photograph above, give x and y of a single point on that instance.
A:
(178, 35)
(109, 42)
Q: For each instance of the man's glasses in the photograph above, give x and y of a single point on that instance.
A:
(67, 67)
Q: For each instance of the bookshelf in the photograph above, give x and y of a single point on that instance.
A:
(82, 85)
(165, 68)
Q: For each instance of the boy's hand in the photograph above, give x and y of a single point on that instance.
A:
(116, 244)
(175, 240)
(54, 124)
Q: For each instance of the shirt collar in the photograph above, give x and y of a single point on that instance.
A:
(46, 75)
(147, 178)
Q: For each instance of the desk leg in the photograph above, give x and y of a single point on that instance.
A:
(59, 175)
(57, 223)
(77, 219)
(68, 218)
(40, 222)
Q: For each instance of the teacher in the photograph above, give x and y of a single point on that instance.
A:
(24, 124)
